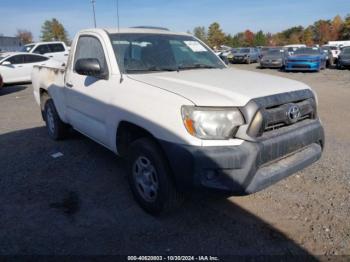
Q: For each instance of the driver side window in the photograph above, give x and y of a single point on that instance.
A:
(90, 47)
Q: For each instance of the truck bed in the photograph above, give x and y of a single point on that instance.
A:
(48, 78)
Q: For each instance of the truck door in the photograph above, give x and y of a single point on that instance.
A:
(87, 97)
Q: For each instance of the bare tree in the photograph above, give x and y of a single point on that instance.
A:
(25, 36)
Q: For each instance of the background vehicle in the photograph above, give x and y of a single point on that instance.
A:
(339, 44)
(306, 59)
(55, 50)
(232, 53)
(246, 55)
(17, 67)
(335, 50)
(274, 58)
(344, 58)
(330, 59)
(166, 102)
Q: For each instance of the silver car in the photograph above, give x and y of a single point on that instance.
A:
(246, 55)
(274, 58)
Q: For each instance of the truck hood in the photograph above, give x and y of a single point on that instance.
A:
(219, 87)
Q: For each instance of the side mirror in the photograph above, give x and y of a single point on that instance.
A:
(90, 67)
(6, 63)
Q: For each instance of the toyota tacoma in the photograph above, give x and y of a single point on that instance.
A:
(178, 115)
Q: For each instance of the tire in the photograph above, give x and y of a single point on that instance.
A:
(1, 82)
(56, 128)
(150, 178)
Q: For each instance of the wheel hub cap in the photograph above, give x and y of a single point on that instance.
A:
(146, 179)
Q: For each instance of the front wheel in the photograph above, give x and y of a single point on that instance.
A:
(56, 128)
(150, 178)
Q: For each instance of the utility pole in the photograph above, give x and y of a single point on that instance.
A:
(93, 10)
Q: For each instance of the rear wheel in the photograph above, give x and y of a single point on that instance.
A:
(150, 178)
(56, 128)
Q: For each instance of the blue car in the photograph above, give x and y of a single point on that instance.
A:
(306, 59)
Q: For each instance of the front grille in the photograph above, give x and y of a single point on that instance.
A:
(300, 66)
(277, 117)
(300, 61)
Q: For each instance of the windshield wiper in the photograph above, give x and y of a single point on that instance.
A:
(196, 66)
(153, 69)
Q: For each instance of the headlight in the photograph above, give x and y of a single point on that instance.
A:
(211, 123)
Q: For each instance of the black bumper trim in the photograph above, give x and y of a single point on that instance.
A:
(249, 167)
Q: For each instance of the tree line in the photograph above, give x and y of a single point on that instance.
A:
(319, 33)
(51, 30)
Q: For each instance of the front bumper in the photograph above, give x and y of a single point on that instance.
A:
(239, 59)
(250, 167)
(277, 64)
(303, 66)
(345, 63)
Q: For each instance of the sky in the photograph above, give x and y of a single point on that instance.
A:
(179, 15)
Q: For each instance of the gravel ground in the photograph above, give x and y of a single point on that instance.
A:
(80, 203)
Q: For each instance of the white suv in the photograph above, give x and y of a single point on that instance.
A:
(55, 50)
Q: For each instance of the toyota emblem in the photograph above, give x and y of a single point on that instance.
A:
(293, 113)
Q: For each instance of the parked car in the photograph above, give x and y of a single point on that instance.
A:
(335, 50)
(274, 58)
(232, 53)
(55, 50)
(306, 59)
(246, 55)
(17, 67)
(344, 58)
(167, 104)
(330, 60)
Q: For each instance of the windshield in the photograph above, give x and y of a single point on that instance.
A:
(26, 48)
(153, 52)
(274, 52)
(244, 50)
(307, 51)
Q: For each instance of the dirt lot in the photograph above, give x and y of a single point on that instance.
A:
(80, 203)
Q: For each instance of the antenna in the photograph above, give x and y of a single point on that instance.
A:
(118, 28)
(118, 16)
(93, 10)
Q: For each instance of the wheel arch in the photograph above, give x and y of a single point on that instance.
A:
(128, 132)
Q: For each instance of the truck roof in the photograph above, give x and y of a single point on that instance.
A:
(135, 30)
(50, 42)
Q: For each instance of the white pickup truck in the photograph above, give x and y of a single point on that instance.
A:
(181, 118)
(55, 50)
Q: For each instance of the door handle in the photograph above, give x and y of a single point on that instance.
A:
(69, 85)
(51, 56)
